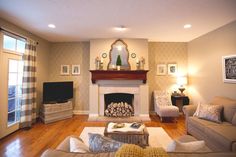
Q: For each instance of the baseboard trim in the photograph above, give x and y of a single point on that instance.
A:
(152, 113)
(144, 115)
(80, 112)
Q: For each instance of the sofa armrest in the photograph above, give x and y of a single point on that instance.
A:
(189, 110)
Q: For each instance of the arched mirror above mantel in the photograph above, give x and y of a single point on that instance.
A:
(119, 53)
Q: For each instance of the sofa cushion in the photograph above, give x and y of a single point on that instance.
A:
(224, 135)
(210, 112)
(192, 146)
(201, 124)
(99, 143)
(229, 107)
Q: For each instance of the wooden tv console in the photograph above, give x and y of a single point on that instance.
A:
(54, 112)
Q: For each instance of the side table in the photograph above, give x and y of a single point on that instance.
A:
(180, 101)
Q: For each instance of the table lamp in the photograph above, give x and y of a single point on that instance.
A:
(181, 81)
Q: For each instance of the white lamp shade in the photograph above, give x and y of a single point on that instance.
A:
(182, 80)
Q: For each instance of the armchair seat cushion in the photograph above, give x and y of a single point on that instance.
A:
(163, 106)
(168, 111)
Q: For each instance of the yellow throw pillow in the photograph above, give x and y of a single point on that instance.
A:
(131, 150)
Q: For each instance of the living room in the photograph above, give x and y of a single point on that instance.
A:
(168, 46)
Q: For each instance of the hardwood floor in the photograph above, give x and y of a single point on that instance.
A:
(34, 142)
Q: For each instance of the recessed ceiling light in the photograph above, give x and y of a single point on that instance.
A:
(120, 28)
(186, 26)
(51, 26)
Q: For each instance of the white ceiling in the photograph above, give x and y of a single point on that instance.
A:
(155, 20)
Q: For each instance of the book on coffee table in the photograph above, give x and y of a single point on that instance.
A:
(112, 127)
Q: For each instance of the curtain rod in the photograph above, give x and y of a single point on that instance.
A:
(2, 29)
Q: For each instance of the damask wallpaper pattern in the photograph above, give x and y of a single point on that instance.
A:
(72, 53)
(165, 53)
(79, 53)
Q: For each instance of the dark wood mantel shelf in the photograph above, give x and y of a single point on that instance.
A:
(119, 75)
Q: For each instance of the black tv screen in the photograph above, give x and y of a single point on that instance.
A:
(56, 92)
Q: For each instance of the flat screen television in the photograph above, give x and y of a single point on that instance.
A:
(57, 92)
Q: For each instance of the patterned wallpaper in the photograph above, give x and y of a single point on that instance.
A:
(79, 52)
(72, 53)
(165, 53)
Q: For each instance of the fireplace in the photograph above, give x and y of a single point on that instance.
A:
(118, 105)
(139, 98)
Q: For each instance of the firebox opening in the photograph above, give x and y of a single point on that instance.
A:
(119, 104)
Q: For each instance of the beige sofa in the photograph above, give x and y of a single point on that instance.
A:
(218, 137)
(63, 151)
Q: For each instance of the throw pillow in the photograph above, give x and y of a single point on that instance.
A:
(131, 150)
(196, 114)
(194, 146)
(77, 145)
(211, 112)
(234, 119)
(99, 143)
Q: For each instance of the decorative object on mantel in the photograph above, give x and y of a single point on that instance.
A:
(118, 62)
(104, 55)
(75, 70)
(229, 68)
(141, 63)
(119, 75)
(172, 69)
(133, 55)
(181, 81)
(65, 70)
(161, 69)
(99, 63)
(137, 64)
(119, 48)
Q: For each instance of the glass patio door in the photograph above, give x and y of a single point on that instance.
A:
(11, 74)
(15, 75)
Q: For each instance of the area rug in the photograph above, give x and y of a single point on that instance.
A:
(157, 135)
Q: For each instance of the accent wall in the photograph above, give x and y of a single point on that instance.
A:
(205, 64)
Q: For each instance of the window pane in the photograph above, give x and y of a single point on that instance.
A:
(19, 90)
(12, 79)
(11, 92)
(20, 77)
(20, 66)
(9, 43)
(11, 118)
(13, 65)
(17, 115)
(11, 104)
(20, 47)
(19, 99)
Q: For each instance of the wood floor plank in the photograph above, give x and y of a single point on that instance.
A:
(33, 142)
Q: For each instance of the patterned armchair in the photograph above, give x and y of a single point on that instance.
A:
(163, 106)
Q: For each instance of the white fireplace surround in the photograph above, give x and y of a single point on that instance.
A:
(115, 89)
(136, 87)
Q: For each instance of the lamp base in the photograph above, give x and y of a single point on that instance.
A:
(181, 89)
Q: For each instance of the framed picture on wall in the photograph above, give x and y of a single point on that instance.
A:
(161, 69)
(229, 69)
(172, 69)
(65, 70)
(75, 70)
